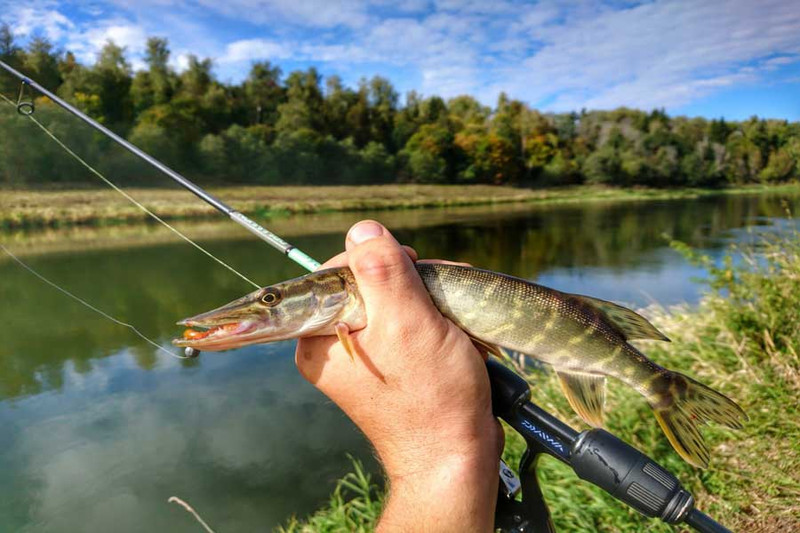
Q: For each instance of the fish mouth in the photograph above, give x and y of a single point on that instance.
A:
(230, 335)
(217, 337)
(224, 328)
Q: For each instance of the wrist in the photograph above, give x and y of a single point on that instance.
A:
(432, 463)
(457, 492)
(443, 445)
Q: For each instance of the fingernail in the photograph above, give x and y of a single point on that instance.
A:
(364, 231)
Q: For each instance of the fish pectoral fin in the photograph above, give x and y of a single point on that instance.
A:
(343, 333)
(586, 394)
(629, 323)
(488, 348)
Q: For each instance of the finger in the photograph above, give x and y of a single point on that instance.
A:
(340, 259)
(412, 253)
(386, 277)
(444, 262)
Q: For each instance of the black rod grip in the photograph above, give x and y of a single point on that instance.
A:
(630, 476)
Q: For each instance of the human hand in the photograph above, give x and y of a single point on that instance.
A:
(427, 409)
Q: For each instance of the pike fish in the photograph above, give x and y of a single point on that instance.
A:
(584, 339)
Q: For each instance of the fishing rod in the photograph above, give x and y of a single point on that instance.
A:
(27, 108)
(595, 455)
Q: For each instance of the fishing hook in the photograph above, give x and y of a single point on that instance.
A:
(25, 107)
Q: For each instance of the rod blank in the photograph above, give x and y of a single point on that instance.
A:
(250, 225)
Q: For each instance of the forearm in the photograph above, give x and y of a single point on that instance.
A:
(458, 494)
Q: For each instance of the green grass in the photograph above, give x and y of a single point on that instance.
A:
(55, 207)
(354, 505)
(743, 339)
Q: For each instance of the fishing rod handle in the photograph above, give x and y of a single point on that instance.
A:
(596, 455)
(632, 477)
(629, 475)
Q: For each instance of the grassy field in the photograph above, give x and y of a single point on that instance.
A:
(744, 340)
(91, 206)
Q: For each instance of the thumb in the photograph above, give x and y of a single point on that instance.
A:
(386, 277)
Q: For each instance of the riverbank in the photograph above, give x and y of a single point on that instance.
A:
(744, 340)
(58, 207)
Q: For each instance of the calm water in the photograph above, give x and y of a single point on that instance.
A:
(97, 430)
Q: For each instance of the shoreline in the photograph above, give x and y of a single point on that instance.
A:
(22, 209)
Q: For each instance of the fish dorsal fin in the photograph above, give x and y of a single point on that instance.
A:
(586, 394)
(632, 325)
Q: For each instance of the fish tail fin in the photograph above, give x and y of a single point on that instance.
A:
(682, 404)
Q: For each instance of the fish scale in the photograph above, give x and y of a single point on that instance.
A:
(542, 322)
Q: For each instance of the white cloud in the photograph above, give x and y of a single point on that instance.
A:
(335, 53)
(254, 49)
(663, 53)
(402, 6)
(179, 61)
(442, 48)
(476, 6)
(27, 21)
(313, 13)
(776, 62)
(88, 43)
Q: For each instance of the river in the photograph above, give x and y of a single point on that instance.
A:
(97, 430)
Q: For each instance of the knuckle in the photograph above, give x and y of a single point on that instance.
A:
(430, 335)
(403, 331)
(381, 265)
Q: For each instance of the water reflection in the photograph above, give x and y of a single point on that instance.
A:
(235, 436)
(99, 430)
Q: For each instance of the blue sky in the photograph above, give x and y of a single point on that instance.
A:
(710, 58)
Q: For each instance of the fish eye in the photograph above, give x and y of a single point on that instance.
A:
(271, 297)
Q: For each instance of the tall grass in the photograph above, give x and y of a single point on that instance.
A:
(742, 339)
(354, 506)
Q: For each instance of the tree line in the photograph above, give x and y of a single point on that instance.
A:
(303, 129)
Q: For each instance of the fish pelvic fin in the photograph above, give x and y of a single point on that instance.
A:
(586, 395)
(683, 405)
(488, 348)
(629, 323)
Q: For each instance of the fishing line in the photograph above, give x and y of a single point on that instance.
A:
(90, 306)
(130, 198)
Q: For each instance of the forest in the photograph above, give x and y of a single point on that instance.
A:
(303, 128)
